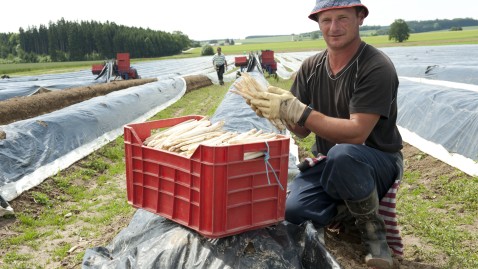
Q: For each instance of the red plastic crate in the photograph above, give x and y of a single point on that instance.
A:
(123, 61)
(97, 68)
(240, 61)
(267, 56)
(214, 192)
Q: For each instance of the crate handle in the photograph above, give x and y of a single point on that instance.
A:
(268, 164)
(133, 132)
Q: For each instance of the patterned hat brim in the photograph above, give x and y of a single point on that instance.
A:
(329, 5)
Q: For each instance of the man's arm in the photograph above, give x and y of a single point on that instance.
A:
(354, 130)
(277, 103)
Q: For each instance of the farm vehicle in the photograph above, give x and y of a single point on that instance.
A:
(115, 69)
(264, 60)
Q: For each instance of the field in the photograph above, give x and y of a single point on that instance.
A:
(277, 44)
(85, 205)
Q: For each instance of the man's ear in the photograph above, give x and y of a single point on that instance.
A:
(361, 17)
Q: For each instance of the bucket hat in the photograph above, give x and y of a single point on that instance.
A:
(323, 5)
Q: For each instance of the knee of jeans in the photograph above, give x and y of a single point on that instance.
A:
(340, 152)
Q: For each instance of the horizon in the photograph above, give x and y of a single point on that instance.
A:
(255, 35)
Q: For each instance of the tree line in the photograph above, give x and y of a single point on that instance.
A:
(399, 25)
(426, 26)
(88, 40)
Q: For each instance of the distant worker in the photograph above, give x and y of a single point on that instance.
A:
(219, 62)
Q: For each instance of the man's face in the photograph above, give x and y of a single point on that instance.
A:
(340, 27)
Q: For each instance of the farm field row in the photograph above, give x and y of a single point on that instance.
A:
(467, 36)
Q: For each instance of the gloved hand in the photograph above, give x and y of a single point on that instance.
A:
(253, 107)
(278, 123)
(277, 103)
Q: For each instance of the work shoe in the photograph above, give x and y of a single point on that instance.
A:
(343, 226)
(372, 230)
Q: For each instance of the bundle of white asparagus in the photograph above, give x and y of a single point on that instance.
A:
(185, 137)
(248, 88)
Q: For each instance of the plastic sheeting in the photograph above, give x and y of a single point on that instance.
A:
(428, 77)
(457, 63)
(164, 69)
(26, 86)
(438, 101)
(151, 241)
(39, 147)
(440, 114)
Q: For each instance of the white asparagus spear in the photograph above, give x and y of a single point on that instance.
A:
(202, 127)
(196, 139)
(176, 130)
(252, 155)
(249, 140)
(219, 140)
(169, 130)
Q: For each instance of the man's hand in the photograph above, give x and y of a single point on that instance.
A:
(277, 103)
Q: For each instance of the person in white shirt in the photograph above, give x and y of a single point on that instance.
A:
(220, 64)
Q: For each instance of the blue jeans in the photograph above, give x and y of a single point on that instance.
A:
(350, 172)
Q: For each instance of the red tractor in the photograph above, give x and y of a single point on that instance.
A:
(268, 62)
(265, 58)
(114, 69)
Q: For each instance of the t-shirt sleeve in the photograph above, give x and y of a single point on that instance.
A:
(375, 89)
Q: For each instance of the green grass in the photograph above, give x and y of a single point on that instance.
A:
(439, 214)
(428, 39)
(86, 187)
(44, 68)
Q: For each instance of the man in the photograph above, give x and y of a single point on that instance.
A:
(219, 62)
(345, 95)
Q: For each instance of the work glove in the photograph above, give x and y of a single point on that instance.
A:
(278, 103)
(278, 123)
(253, 107)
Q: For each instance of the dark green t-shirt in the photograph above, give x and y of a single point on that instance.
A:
(368, 84)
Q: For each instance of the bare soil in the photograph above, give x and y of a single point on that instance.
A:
(349, 254)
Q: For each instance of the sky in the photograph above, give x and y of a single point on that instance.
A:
(218, 19)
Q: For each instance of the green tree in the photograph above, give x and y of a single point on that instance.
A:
(399, 31)
(314, 35)
(207, 50)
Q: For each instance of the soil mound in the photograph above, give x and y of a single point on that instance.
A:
(45, 101)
